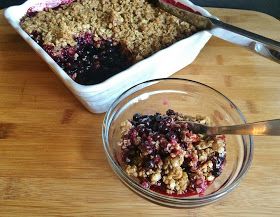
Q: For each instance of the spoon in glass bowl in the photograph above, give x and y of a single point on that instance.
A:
(261, 128)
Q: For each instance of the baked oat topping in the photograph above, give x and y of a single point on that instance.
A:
(141, 27)
(164, 155)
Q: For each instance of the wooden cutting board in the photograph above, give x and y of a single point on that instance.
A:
(51, 157)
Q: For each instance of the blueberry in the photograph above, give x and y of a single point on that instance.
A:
(170, 112)
(163, 154)
(167, 120)
(163, 128)
(158, 117)
(171, 136)
(147, 121)
(216, 172)
(148, 164)
(131, 155)
(217, 164)
(131, 150)
(155, 127)
(128, 157)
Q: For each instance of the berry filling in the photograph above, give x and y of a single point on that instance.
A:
(165, 156)
(89, 62)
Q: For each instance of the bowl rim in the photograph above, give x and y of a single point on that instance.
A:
(169, 200)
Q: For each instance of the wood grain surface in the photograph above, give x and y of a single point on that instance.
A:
(51, 157)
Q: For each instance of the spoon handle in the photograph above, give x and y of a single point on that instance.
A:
(261, 45)
(262, 128)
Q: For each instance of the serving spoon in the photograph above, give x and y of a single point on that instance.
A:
(261, 128)
(259, 44)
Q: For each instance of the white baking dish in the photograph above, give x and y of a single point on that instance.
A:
(97, 98)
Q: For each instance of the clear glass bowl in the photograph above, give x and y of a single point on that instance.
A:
(191, 98)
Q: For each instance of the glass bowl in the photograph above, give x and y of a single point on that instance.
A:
(187, 97)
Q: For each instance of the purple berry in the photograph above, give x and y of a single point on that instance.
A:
(136, 117)
(146, 121)
(170, 112)
(158, 117)
(130, 155)
(171, 136)
(163, 128)
(149, 164)
(217, 161)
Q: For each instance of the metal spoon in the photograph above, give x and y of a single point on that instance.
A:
(261, 45)
(262, 128)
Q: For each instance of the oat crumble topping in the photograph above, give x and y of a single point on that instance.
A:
(164, 155)
(137, 24)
